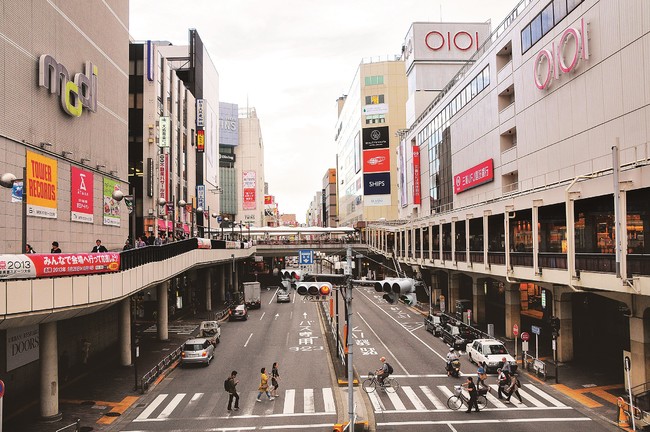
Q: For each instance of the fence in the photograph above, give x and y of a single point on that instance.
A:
(155, 372)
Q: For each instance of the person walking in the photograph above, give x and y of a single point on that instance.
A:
(473, 395)
(513, 387)
(502, 381)
(99, 247)
(231, 388)
(481, 376)
(275, 377)
(264, 386)
(29, 249)
(55, 247)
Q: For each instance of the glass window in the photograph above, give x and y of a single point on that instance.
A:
(526, 42)
(131, 67)
(468, 93)
(131, 100)
(380, 79)
(547, 19)
(474, 86)
(559, 10)
(536, 29)
(571, 4)
(139, 67)
(486, 77)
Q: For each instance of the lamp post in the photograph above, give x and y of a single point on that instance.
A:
(199, 210)
(241, 234)
(215, 216)
(118, 195)
(181, 203)
(7, 180)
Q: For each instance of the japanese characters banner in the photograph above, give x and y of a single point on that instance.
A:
(81, 195)
(475, 176)
(29, 266)
(249, 185)
(417, 199)
(42, 186)
(111, 207)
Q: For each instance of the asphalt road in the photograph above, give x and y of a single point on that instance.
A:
(193, 399)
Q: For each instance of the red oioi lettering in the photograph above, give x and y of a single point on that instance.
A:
(563, 57)
(462, 40)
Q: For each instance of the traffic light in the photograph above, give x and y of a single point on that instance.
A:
(317, 290)
(402, 288)
(293, 275)
(555, 326)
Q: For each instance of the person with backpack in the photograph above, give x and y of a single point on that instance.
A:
(384, 371)
(230, 385)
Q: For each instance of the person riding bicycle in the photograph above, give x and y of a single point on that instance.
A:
(451, 356)
(384, 371)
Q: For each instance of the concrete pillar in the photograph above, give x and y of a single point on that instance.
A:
(454, 292)
(478, 300)
(639, 349)
(49, 358)
(125, 331)
(235, 274)
(163, 314)
(208, 289)
(563, 309)
(222, 283)
(435, 291)
(513, 307)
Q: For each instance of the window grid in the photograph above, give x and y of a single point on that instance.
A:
(545, 21)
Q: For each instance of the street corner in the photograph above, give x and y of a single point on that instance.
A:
(592, 396)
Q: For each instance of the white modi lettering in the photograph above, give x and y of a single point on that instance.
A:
(563, 57)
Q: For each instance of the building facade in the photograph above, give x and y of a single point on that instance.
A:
(329, 209)
(250, 169)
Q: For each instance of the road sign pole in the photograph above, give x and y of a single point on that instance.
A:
(348, 301)
(628, 367)
(555, 358)
(536, 346)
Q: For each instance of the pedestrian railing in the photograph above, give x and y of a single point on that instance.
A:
(71, 427)
(155, 372)
(538, 366)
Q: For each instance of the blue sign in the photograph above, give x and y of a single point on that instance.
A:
(536, 330)
(306, 256)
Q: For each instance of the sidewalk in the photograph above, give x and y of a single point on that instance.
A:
(98, 396)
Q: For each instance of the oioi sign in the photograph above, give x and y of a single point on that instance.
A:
(563, 57)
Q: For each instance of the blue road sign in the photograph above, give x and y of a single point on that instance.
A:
(306, 256)
(536, 330)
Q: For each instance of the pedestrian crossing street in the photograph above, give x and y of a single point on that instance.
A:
(314, 402)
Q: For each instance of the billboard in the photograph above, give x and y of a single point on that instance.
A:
(375, 138)
(30, 266)
(22, 346)
(475, 176)
(376, 160)
(81, 195)
(228, 124)
(249, 186)
(376, 183)
(42, 186)
(111, 208)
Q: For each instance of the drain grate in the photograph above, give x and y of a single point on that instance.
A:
(88, 402)
(112, 414)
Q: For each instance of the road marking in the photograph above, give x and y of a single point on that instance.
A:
(544, 395)
(274, 294)
(485, 420)
(530, 398)
(263, 313)
(396, 401)
(434, 400)
(415, 400)
(451, 427)
(192, 403)
(151, 408)
(328, 397)
(207, 411)
(248, 340)
(289, 401)
(376, 402)
(308, 399)
(446, 392)
(494, 400)
(423, 376)
(322, 425)
(382, 342)
(171, 406)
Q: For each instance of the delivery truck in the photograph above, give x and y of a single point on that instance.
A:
(252, 295)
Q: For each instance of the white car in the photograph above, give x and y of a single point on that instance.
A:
(489, 354)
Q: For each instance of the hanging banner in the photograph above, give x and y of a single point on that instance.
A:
(17, 191)
(81, 195)
(200, 141)
(416, 175)
(249, 185)
(30, 266)
(163, 132)
(162, 183)
(200, 113)
(42, 186)
(111, 206)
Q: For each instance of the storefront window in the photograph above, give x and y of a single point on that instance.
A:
(535, 300)
(552, 229)
(521, 232)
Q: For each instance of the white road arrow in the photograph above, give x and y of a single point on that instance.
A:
(277, 315)
(304, 315)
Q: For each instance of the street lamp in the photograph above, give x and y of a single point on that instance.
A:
(118, 195)
(7, 180)
(181, 204)
(215, 216)
(225, 221)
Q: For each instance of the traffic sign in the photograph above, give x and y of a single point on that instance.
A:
(536, 330)
(515, 329)
(2, 390)
(306, 256)
(525, 337)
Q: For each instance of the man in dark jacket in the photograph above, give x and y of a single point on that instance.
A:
(232, 391)
(99, 247)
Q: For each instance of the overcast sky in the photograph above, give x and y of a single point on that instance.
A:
(291, 60)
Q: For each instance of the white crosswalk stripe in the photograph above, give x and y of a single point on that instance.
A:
(415, 400)
(328, 398)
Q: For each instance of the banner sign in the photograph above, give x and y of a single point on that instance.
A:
(226, 157)
(376, 183)
(17, 191)
(30, 266)
(163, 132)
(81, 195)
(22, 346)
(42, 186)
(162, 183)
(375, 138)
(475, 176)
(111, 207)
(200, 197)
(269, 199)
(204, 243)
(376, 160)
(200, 141)
(200, 113)
(249, 186)
(416, 175)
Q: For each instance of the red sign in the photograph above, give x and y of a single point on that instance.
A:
(475, 176)
(376, 160)
(515, 329)
(81, 195)
(525, 336)
(416, 175)
(249, 197)
(462, 40)
(29, 266)
(269, 199)
(200, 141)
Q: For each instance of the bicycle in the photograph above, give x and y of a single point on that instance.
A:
(456, 400)
(389, 384)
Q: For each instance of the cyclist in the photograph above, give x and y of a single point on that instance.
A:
(384, 371)
(473, 395)
(451, 356)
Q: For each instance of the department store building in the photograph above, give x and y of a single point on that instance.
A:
(533, 180)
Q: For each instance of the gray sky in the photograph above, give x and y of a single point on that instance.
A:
(291, 60)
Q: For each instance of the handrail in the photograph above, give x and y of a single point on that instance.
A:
(150, 376)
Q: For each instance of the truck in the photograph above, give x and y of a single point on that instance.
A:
(252, 295)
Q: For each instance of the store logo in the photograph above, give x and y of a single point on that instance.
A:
(76, 94)
(375, 134)
(462, 40)
(563, 57)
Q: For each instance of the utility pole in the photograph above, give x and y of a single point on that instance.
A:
(348, 301)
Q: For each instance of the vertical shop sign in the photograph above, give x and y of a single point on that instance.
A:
(81, 195)
(200, 141)
(416, 175)
(163, 132)
(42, 186)
(248, 190)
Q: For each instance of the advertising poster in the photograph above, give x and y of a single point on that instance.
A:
(30, 266)
(17, 192)
(475, 176)
(42, 183)
(249, 186)
(376, 160)
(200, 141)
(376, 184)
(81, 195)
(22, 346)
(375, 137)
(111, 207)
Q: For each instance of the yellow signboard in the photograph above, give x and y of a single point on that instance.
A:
(42, 186)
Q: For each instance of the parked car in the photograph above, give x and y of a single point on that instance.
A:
(457, 336)
(434, 324)
(283, 297)
(210, 330)
(197, 351)
(489, 354)
(238, 312)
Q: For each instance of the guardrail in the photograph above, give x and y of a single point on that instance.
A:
(71, 427)
(155, 372)
(539, 367)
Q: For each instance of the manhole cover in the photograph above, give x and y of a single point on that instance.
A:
(88, 403)
(112, 414)
(85, 429)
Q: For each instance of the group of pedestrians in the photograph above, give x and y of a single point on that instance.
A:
(508, 384)
(230, 385)
(98, 248)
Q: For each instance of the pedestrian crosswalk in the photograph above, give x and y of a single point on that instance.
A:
(315, 402)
